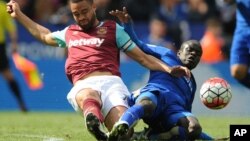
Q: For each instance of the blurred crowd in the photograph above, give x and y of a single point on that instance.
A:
(170, 22)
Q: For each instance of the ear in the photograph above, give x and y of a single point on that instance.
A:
(94, 6)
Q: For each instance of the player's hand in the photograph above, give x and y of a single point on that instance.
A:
(179, 71)
(123, 15)
(13, 8)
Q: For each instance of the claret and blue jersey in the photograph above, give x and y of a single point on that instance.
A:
(95, 50)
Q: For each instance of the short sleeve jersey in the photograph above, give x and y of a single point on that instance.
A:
(95, 50)
(243, 13)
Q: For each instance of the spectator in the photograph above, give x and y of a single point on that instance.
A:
(158, 33)
(104, 6)
(174, 14)
(197, 10)
(62, 16)
(44, 9)
(140, 9)
(212, 42)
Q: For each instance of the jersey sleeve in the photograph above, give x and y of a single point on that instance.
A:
(59, 36)
(123, 40)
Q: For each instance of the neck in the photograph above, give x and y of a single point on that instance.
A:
(97, 22)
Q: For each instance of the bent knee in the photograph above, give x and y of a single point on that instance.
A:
(194, 131)
(85, 94)
(148, 106)
(239, 72)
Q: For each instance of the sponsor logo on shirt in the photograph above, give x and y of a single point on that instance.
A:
(86, 42)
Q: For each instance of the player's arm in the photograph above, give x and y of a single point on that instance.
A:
(154, 63)
(147, 61)
(129, 47)
(138, 55)
(39, 32)
(126, 20)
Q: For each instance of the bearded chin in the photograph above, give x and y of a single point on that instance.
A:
(88, 26)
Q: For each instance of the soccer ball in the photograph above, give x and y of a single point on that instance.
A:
(215, 93)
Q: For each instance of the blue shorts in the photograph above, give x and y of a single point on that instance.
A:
(170, 108)
(240, 50)
(155, 97)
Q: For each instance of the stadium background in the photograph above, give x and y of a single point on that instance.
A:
(52, 97)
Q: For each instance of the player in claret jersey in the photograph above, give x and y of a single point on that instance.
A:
(93, 62)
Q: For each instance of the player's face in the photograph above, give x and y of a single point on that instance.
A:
(190, 54)
(84, 14)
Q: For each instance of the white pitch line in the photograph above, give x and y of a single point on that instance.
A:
(45, 138)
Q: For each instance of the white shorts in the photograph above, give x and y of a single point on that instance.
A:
(112, 90)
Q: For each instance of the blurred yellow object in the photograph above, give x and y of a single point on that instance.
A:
(29, 71)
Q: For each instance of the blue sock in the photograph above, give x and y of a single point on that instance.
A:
(205, 136)
(133, 114)
(246, 81)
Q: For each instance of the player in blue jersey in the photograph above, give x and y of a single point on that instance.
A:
(165, 103)
(240, 50)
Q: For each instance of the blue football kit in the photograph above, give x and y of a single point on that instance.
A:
(240, 50)
(166, 91)
(172, 96)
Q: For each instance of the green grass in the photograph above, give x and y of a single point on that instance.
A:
(218, 126)
(56, 126)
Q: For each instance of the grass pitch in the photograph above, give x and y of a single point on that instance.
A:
(69, 126)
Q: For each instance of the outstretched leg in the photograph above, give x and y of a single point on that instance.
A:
(90, 104)
(144, 107)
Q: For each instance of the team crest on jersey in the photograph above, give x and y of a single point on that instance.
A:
(102, 30)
